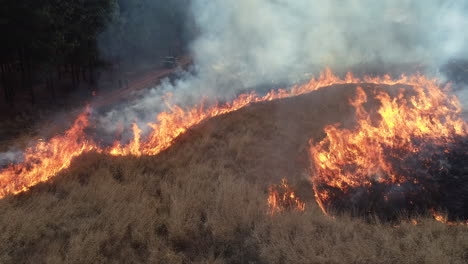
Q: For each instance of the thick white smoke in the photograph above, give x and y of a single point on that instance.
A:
(244, 44)
(276, 39)
(10, 156)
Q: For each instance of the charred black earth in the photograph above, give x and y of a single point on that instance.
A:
(435, 179)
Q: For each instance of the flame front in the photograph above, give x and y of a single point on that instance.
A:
(281, 198)
(394, 158)
(46, 159)
(177, 120)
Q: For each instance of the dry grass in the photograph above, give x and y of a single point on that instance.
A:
(204, 201)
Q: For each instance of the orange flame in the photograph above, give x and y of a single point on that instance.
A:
(177, 120)
(281, 198)
(444, 219)
(348, 159)
(47, 159)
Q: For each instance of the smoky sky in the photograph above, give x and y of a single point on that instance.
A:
(240, 45)
(275, 39)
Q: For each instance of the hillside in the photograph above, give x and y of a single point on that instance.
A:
(204, 200)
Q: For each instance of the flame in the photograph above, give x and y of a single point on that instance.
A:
(444, 219)
(178, 120)
(281, 198)
(46, 159)
(416, 118)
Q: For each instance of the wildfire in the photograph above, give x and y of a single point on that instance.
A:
(177, 120)
(444, 219)
(46, 159)
(282, 198)
(399, 162)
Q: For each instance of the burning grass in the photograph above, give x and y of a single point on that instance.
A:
(410, 158)
(44, 160)
(281, 197)
(204, 201)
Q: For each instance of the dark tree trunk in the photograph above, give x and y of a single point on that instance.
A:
(91, 72)
(77, 73)
(59, 72)
(25, 66)
(74, 77)
(83, 73)
(30, 82)
(9, 81)
(22, 69)
(4, 84)
(50, 84)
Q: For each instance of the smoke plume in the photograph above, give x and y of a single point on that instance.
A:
(242, 45)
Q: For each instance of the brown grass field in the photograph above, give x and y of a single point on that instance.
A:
(204, 200)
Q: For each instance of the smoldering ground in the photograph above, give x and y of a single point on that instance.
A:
(434, 178)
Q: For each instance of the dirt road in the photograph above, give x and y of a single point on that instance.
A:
(148, 80)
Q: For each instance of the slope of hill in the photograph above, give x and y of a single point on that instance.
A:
(204, 200)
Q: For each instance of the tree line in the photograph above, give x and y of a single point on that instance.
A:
(45, 41)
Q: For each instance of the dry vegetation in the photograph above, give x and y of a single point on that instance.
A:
(204, 201)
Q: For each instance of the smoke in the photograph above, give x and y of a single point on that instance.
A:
(143, 31)
(10, 156)
(244, 44)
(277, 39)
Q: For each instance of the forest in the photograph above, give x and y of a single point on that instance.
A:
(53, 48)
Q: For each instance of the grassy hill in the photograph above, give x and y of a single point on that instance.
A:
(204, 200)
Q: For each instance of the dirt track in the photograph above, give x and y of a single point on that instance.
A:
(148, 80)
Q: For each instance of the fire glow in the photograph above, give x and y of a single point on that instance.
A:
(46, 159)
(281, 198)
(403, 161)
(402, 120)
